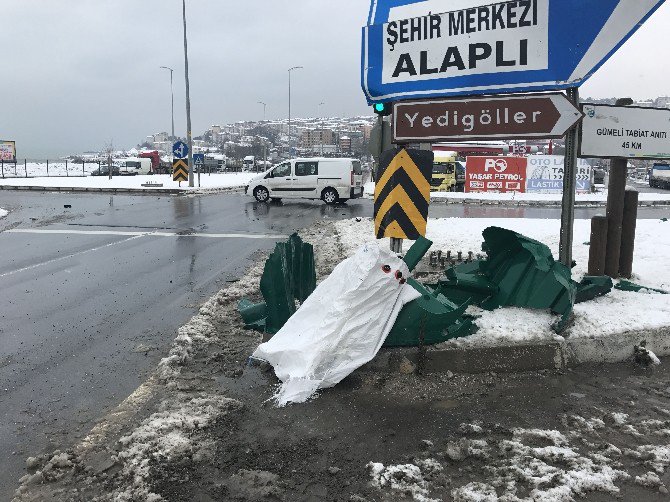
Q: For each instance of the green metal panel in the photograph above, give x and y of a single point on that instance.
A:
(625, 285)
(519, 272)
(416, 252)
(430, 319)
(592, 287)
(288, 275)
(276, 287)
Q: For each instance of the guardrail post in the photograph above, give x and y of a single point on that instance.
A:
(25, 166)
(628, 233)
(615, 202)
(83, 171)
(66, 174)
(598, 245)
(47, 167)
(2, 161)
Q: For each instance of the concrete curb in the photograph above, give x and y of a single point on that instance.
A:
(135, 191)
(525, 357)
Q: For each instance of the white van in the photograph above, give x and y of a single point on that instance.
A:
(134, 165)
(331, 180)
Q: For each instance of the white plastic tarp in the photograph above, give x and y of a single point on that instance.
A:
(340, 327)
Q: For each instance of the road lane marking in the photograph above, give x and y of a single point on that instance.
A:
(60, 258)
(141, 234)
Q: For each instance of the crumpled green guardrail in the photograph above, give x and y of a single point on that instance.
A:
(518, 271)
(288, 276)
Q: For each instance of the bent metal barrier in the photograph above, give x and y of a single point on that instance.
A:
(518, 271)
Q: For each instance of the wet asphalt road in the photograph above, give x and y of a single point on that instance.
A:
(87, 312)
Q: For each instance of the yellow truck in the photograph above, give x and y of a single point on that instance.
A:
(448, 173)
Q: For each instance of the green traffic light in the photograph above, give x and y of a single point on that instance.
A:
(379, 107)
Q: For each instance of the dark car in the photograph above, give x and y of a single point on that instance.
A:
(104, 171)
(598, 176)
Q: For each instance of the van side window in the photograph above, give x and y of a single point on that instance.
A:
(306, 168)
(282, 170)
(356, 165)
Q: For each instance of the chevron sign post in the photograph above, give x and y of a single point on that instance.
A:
(179, 170)
(402, 194)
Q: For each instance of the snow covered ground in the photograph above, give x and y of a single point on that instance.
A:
(617, 312)
(527, 197)
(3, 212)
(208, 181)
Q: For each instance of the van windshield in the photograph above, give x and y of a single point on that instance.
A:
(356, 165)
(443, 168)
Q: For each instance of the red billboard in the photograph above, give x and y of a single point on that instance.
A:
(495, 174)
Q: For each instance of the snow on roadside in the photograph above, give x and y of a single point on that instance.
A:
(166, 436)
(213, 181)
(3, 212)
(530, 464)
(617, 312)
(369, 190)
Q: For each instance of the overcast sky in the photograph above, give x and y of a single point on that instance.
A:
(79, 73)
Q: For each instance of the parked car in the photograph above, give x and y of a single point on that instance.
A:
(104, 171)
(331, 180)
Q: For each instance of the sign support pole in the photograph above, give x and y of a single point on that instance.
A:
(569, 187)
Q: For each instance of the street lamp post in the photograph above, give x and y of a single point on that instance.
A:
(290, 148)
(172, 97)
(321, 125)
(188, 106)
(265, 145)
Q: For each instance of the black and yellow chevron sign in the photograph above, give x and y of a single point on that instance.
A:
(402, 193)
(179, 170)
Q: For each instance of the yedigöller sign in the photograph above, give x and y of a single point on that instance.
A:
(435, 48)
(547, 115)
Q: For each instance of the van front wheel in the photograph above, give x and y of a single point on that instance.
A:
(330, 196)
(262, 194)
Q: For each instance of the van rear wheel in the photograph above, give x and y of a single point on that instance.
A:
(330, 196)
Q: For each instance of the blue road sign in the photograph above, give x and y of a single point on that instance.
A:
(420, 49)
(199, 159)
(180, 150)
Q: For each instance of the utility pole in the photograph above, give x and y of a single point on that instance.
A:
(264, 105)
(289, 108)
(172, 98)
(189, 137)
(321, 125)
(265, 145)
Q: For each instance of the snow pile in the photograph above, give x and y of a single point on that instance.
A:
(3, 212)
(207, 181)
(166, 436)
(617, 312)
(656, 457)
(201, 330)
(408, 479)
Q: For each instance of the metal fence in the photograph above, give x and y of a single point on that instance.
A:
(46, 168)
